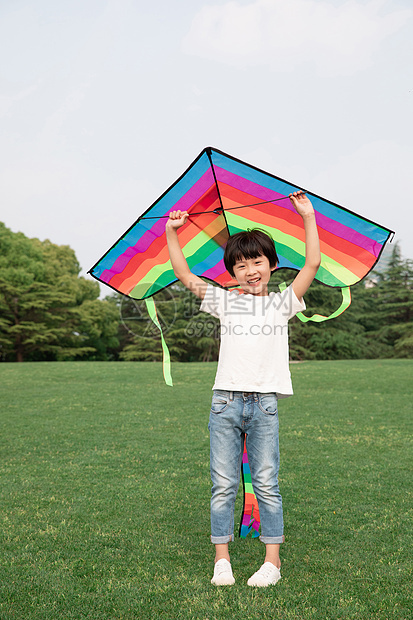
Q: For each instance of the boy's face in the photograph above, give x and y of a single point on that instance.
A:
(253, 275)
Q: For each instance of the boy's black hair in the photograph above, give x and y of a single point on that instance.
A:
(249, 244)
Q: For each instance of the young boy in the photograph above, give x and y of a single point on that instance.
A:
(252, 374)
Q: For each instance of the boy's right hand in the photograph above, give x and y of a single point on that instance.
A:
(177, 219)
(178, 261)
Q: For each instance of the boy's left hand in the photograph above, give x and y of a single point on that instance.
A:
(302, 204)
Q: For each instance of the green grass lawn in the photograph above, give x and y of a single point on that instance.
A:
(105, 495)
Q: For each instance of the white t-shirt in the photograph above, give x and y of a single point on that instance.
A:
(253, 355)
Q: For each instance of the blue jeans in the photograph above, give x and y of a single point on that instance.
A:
(235, 415)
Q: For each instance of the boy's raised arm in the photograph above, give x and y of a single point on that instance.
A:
(178, 260)
(304, 278)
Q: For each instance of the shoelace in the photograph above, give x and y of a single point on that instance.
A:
(266, 571)
(221, 568)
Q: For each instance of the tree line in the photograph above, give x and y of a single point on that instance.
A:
(48, 312)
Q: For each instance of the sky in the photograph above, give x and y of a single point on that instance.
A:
(104, 103)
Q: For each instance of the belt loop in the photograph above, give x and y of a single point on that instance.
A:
(255, 396)
(231, 396)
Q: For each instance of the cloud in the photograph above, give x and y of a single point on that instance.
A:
(374, 181)
(337, 39)
(8, 101)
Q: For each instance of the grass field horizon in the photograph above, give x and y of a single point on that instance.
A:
(105, 495)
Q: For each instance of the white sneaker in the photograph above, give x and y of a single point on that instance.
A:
(267, 575)
(223, 574)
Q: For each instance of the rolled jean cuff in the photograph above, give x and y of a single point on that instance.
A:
(222, 540)
(272, 540)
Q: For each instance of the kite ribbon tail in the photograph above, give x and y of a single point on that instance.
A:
(150, 305)
(319, 318)
(250, 517)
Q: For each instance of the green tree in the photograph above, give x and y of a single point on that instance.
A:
(389, 320)
(140, 339)
(339, 338)
(377, 324)
(188, 333)
(47, 311)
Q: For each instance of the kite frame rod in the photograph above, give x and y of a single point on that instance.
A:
(218, 210)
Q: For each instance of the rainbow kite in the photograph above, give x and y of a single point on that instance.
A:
(223, 196)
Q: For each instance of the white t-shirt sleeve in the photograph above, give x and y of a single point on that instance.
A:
(213, 301)
(289, 303)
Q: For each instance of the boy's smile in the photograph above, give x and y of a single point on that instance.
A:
(253, 275)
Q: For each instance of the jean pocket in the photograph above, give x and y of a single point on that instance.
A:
(220, 402)
(268, 403)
